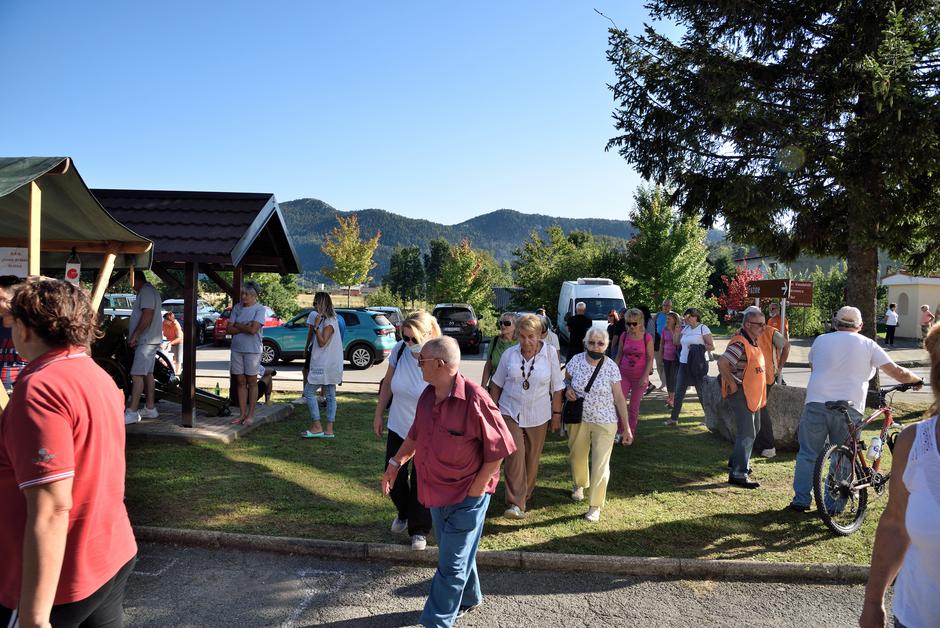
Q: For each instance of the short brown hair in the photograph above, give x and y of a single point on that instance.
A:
(56, 311)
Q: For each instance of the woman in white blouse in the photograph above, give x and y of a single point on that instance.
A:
(403, 384)
(527, 387)
(594, 435)
(695, 333)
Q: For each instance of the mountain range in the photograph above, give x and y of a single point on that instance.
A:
(499, 232)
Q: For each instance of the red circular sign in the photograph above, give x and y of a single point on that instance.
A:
(72, 273)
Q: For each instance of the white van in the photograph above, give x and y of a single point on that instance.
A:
(599, 294)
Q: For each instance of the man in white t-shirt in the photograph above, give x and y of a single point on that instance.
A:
(842, 362)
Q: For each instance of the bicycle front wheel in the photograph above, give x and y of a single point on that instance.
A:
(840, 501)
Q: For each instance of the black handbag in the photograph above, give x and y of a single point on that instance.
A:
(571, 411)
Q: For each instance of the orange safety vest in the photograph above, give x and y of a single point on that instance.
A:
(766, 344)
(755, 382)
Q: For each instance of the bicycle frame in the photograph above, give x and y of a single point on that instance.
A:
(855, 434)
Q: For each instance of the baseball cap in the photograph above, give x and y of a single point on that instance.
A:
(848, 316)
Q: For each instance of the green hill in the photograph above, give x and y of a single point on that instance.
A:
(498, 232)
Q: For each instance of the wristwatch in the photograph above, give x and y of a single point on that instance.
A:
(394, 462)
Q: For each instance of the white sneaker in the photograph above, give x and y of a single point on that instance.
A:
(577, 494)
(419, 542)
(514, 512)
(149, 413)
(299, 401)
(593, 515)
(769, 453)
(399, 525)
(131, 416)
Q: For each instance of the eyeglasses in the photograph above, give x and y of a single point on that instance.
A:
(421, 361)
(408, 338)
(506, 323)
(596, 343)
(758, 324)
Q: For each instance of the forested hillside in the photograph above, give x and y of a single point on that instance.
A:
(498, 232)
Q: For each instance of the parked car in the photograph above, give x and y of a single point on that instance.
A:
(368, 340)
(206, 316)
(220, 335)
(459, 321)
(118, 305)
(394, 316)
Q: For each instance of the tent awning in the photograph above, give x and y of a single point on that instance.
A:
(71, 216)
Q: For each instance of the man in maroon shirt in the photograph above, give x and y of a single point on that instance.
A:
(458, 441)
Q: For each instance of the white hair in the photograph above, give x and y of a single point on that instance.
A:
(580, 305)
(595, 333)
(443, 348)
(750, 312)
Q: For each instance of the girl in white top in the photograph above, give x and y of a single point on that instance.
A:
(403, 384)
(527, 386)
(326, 365)
(907, 542)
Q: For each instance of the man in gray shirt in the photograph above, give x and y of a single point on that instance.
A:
(146, 333)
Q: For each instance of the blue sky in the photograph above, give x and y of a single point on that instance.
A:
(431, 110)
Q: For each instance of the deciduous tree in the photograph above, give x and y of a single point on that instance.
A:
(406, 274)
(352, 257)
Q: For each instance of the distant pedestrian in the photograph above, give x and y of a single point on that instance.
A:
(926, 320)
(594, 436)
(403, 384)
(773, 310)
(613, 320)
(245, 323)
(670, 354)
(66, 543)
(146, 335)
(577, 327)
(174, 340)
(695, 340)
(527, 387)
(635, 360)
(891, 324)
(660, 321)
(326, 364)
(458, 440)
(549, 337)
(498, 345)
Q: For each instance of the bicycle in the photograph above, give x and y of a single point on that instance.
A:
(842, 475)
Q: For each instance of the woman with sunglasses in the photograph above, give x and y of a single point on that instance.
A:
(699, 336)
(499, 344)
(527, 387)
(402, 385)
(635, 359)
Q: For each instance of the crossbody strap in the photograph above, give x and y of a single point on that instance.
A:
(597, 369)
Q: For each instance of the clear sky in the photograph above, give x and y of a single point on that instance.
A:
(437, 110)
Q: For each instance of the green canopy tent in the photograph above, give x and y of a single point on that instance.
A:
(46, 208)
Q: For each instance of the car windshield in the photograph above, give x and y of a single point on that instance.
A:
(454, 314)
(381, 321)
(597, 309)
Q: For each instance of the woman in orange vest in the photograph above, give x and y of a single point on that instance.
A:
(744, 384)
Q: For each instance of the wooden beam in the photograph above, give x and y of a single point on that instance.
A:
(33, 246)
(217, 278)
(103, 280)
(172, 283)
(188, 390)
(236, 285)
(80, 246)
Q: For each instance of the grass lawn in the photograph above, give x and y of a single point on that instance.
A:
(667, 494)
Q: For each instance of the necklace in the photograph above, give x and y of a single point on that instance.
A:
(525, 376)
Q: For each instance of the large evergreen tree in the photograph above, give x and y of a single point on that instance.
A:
(806, 126)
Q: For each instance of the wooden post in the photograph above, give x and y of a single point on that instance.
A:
(35, 220)
(236, 285)
(103, 280)
(188, 391)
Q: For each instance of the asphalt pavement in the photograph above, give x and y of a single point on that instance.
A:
(189, 586)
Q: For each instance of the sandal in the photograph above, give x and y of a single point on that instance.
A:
(236, 421)
(309, 434)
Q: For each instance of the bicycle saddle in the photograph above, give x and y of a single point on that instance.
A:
(839, 405)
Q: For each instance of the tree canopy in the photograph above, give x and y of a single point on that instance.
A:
(405, 276)
(352, 257)
(806, 126)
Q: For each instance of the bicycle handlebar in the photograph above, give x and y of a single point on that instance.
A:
(900, 388)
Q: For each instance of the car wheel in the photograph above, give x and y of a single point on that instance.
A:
(361, 356)
(270, 352)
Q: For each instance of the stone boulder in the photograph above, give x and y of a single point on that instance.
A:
(785, 404)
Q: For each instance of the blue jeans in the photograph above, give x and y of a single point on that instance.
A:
(310, 394)
(684, 379)
(458, 529)
(818, 427)
(746, 428)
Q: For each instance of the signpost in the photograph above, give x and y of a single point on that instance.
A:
(789, 292)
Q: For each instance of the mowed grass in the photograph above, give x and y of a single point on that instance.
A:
(667, 495)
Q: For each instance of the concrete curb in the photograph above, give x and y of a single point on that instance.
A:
(668, 568)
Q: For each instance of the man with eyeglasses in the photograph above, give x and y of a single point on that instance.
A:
(458, 440)
(744, 384)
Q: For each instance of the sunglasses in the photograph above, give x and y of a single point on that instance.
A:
(631, 324)
(408, 338)
(506, 323)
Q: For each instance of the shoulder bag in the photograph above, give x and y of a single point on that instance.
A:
(571, 411)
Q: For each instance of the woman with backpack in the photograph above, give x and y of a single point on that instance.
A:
(695, 340)
(499, 344)
(402, 385)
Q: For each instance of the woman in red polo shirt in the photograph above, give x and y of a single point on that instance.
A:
(66, 543)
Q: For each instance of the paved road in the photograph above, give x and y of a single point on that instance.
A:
(178, 586)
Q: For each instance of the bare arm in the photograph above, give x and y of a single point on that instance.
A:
(47, 526)
(900, 373)
(784, 354)
(556, 411)
(891, 539)
(620, 402)
(323, 335)
(247, 328)
(709, 342)
(724, 371)
(649, 359)
(495, 392)
(385, 393)
(487, 368)
(404, 454)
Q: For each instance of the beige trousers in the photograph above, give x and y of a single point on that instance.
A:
(596, 440)
(522, 466)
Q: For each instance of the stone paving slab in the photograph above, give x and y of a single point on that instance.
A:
(168, 426)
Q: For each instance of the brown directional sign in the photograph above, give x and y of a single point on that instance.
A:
(801, 294)
(768, 289)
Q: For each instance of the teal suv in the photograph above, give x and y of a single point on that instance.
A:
(368, 339)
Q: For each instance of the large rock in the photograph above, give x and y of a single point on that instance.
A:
(785, 404)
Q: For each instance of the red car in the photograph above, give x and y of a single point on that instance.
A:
(220, 335)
